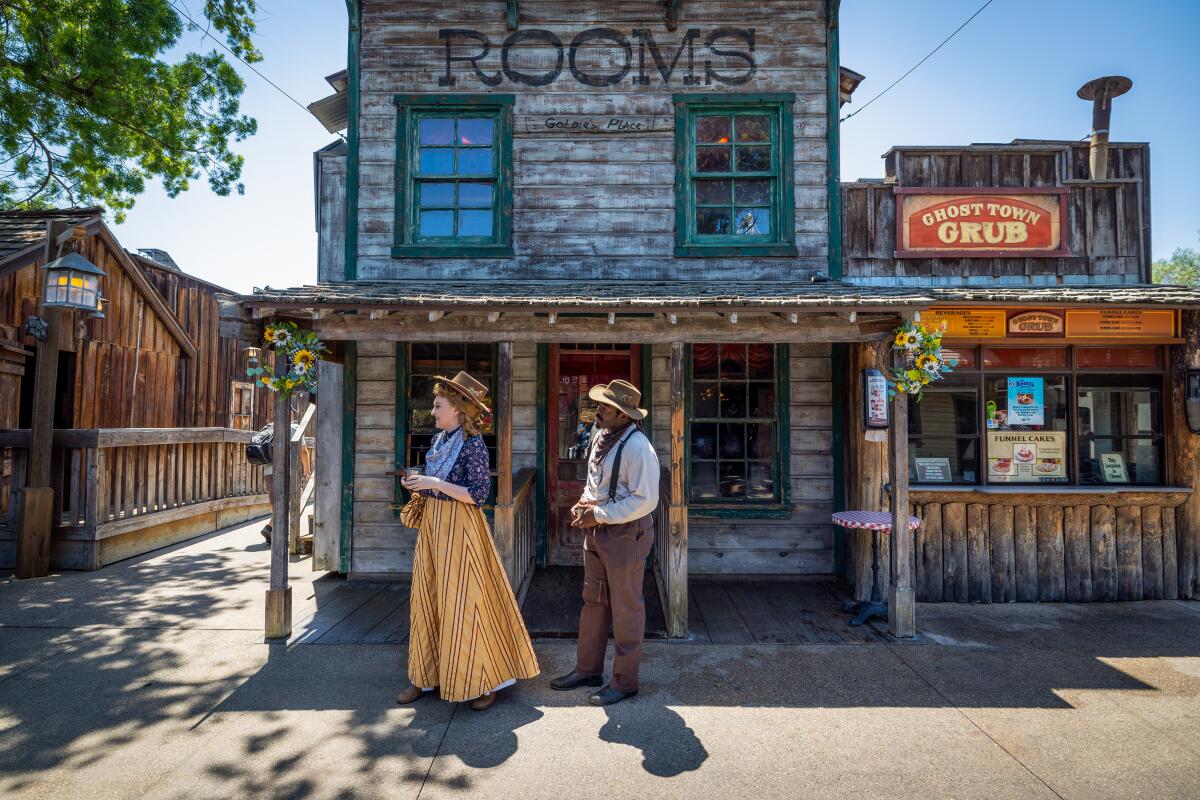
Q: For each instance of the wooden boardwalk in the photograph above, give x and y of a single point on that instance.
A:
(720, 611)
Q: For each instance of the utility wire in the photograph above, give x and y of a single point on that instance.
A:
(919, 63)
(249, 66)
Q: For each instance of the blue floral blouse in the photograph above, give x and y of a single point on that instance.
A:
(471, 470)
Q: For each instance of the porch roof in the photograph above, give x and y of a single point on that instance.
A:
(681, 296)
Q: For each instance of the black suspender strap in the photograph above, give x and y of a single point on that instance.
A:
(616, 469)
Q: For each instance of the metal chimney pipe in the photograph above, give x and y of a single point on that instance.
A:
(1101, 91)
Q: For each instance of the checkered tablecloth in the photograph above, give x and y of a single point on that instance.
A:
(870, 520)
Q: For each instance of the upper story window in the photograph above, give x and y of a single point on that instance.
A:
(733, 175)
(453, 175)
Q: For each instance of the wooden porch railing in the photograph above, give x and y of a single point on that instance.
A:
(300, 485)
(524, 529)
(113, 481)
(662, 539)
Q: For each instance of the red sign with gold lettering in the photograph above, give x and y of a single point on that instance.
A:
(932, 223)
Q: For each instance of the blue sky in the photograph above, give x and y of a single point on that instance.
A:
(1011, 73)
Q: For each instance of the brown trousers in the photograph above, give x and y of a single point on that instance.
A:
(614, 561)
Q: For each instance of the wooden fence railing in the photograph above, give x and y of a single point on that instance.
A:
(662, 539)
(524, 528)
(112, 481)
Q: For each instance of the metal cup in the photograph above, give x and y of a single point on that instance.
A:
(411, 472)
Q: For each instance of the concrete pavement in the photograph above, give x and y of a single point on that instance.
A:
(150, 679)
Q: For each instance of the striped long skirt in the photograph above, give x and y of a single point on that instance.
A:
(466, 635)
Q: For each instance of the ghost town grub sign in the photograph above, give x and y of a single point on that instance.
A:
(980, 222)
(722, 56)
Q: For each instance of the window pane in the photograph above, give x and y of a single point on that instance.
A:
(1107, 357)
(437, 223)
(733, 479)
(475, 223)
(1053, 408)
(704, 360)
(753, 222)
(760, 441)
(1025, 357)
(1119, 405)
(754, 159)
(752, 191)
(731, 440)
(712, 193)
(962, 455)
(733, 400)
(423, 356)
(1120, 461)
(960, 357)
(945, 409)
(704, 481)
(733, 360)
(760, 483)
(761, 361)
(756, 128)
(475, 195)
(436, 194)
(704, 440)
(762, 399)
(704, 400)
(474, 131)
(712, 221)
(712, 159)
(475, 161)
(453, 357)
(712, 129)
(435, 131)
(436, 161)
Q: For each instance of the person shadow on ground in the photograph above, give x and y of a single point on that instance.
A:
(669, 747)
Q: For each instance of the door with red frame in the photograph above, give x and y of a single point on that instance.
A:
(574, 369)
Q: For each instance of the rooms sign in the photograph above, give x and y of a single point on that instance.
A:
(933, 223)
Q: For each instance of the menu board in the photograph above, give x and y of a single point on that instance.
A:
(1105, 322)
(977, 323)
(932, 470)
(1027, 457)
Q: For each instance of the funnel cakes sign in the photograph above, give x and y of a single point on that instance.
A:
(985, 223)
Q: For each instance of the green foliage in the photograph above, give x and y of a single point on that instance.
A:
(303, 350)
(1183, 267)
(89, 110)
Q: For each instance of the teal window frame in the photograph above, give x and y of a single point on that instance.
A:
(778, 507)
(688, 107)
(410, 109)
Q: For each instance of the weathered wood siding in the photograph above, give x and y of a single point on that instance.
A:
(588, 203)
(329, 167)
(801, 544)
(1107, 231)
(975, 547)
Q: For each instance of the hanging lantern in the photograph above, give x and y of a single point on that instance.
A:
(73, 282)
(101, 302)
(252, 356)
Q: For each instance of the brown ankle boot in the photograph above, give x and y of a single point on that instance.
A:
(409, 695)
(483, 701)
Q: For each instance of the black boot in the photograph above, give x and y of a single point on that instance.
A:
(573, 680)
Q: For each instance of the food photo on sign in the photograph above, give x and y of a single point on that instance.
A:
(1026, 402)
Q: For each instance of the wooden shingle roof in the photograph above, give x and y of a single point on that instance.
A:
(23, 233)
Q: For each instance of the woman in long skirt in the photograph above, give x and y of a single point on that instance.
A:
(466, 636)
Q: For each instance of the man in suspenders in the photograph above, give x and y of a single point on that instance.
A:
(615, 511)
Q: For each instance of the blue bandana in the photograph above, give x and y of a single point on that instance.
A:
(440, 457)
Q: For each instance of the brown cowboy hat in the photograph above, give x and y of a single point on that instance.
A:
(621, 395)
(468, 388)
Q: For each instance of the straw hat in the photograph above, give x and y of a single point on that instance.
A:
(621, 395)
(468, 388)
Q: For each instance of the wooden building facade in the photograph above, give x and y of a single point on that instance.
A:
(127, 384)
(551, 195)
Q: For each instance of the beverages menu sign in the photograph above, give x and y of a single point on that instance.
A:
(983, 223)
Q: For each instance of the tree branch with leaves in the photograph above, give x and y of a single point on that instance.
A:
(90, 110)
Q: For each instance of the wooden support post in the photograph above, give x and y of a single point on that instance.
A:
(1186, 452)
(504, 518)
(677, 556)
(279, 595)
(328, 508)
(902, 606)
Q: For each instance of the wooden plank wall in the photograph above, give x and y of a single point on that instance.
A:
(604, 200)
(1047, 548)
(1108, 220)
(331, 214)
(801, 544)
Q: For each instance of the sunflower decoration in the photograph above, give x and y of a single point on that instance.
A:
(303, 350)
(923, 362)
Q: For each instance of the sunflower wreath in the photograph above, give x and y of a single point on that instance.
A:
(923, 362)
(303, 350)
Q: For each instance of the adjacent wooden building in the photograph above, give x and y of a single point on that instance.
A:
(147, 396)
(551, 195)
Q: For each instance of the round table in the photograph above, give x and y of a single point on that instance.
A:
(876, 522)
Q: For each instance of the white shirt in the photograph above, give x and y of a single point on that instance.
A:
(637, 481)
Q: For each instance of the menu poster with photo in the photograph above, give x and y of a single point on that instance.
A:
(1033, 457)
(1026, 401)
